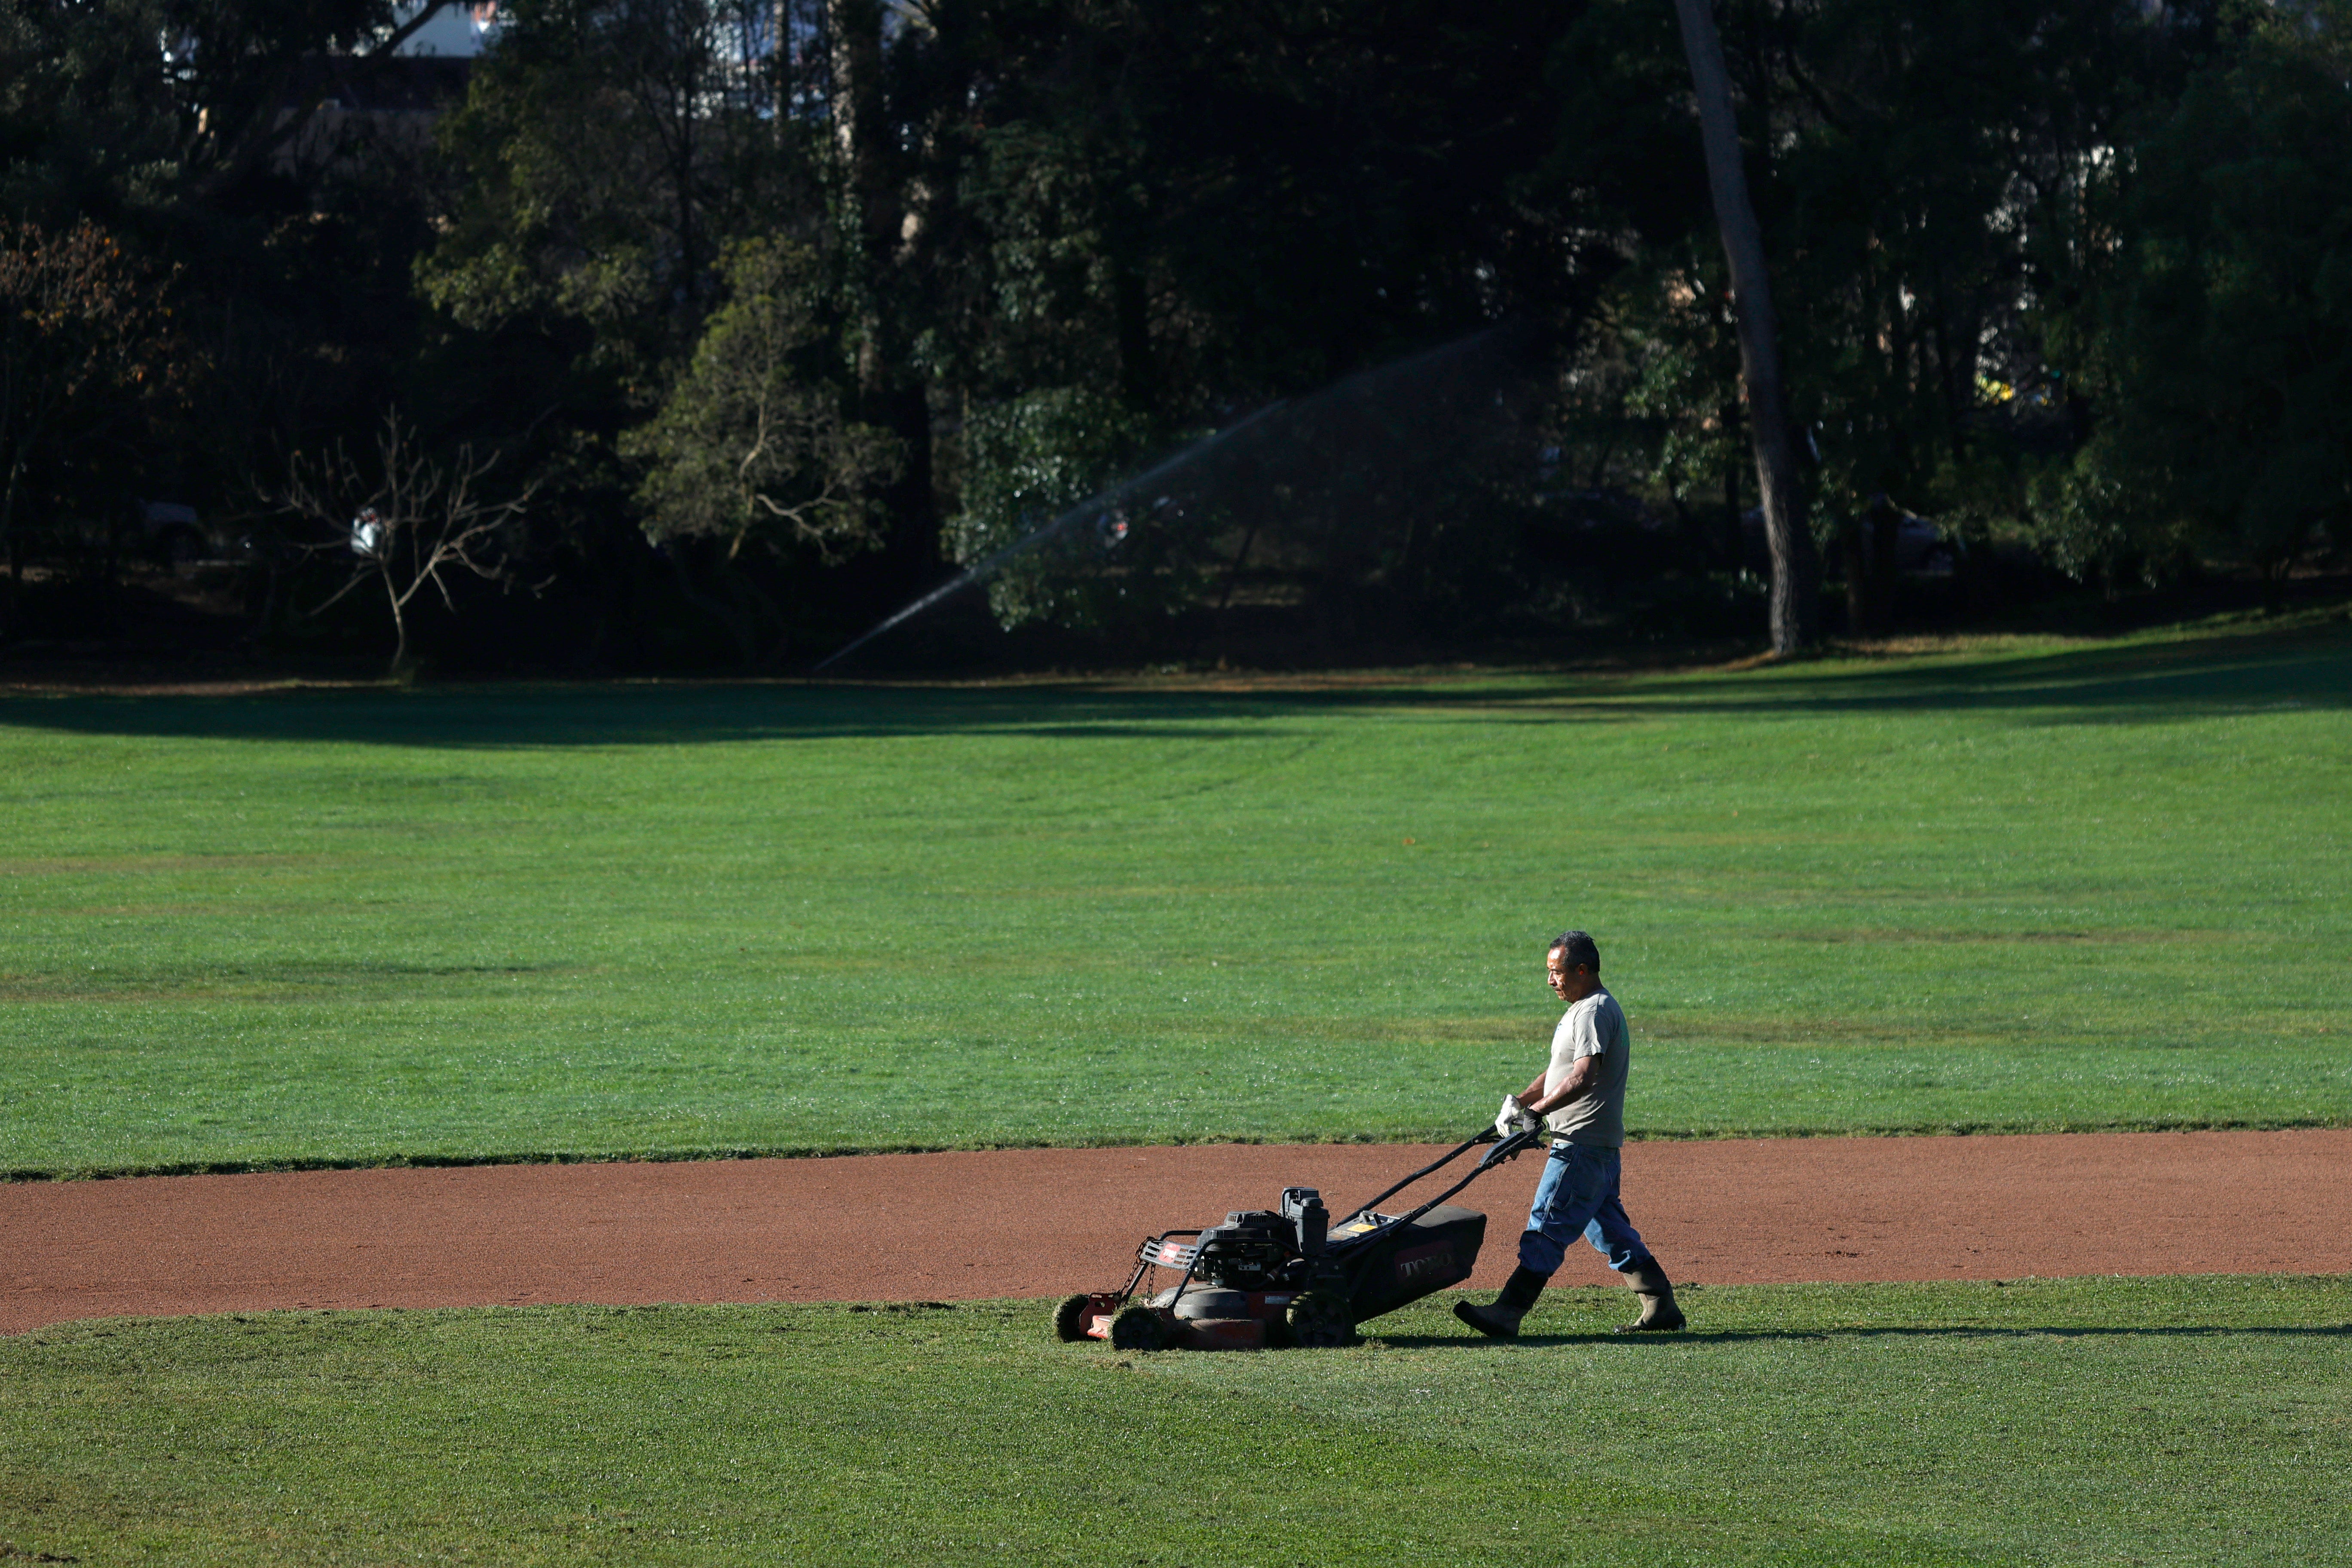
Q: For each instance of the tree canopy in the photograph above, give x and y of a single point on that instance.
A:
(783, 312)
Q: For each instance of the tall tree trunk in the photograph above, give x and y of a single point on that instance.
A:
(879, 214)
(854, 62)
(1796, 566)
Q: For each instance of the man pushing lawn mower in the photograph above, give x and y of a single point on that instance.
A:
(1580, 1097)
(1302, 1275)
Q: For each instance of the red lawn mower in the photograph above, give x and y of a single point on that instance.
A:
(1287, 1276)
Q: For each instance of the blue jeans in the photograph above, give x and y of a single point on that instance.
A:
(1578, 1194)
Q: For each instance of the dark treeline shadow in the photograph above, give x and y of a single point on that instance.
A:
(2199, 677)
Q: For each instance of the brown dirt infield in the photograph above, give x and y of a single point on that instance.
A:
(1046, 1222)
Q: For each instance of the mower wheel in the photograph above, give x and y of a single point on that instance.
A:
(1318, 1321)
(1138, 1328)
(1070, 1318)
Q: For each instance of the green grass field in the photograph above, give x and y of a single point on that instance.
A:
(2011, 885)
(2016, 885)
(2118, 1421)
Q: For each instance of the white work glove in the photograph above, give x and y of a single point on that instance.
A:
(1513, 1117)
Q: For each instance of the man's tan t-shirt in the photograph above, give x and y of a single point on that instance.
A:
(1592, 1028)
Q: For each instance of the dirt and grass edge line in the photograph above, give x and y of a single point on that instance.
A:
(398, 1161)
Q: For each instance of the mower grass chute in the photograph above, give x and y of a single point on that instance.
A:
(1287, 1276)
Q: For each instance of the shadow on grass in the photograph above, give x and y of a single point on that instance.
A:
(2231, 671)
(1956, 1330)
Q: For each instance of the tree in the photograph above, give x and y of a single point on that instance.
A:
(751, 448)
(862, 194)
(409, 519)
(2213, 344)
(1144, 222)
(605, 150)
(87, 346)
(1909, 163)
(1920, 153)
(1031, 460)
(607, 155)
(1795, 566)
(123, 106)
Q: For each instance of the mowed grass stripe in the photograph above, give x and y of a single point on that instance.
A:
(2204, 1420)
(2014, 886)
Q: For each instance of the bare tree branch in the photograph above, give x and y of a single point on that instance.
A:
(409, 520)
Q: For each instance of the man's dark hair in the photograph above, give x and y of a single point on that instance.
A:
(1578, 949)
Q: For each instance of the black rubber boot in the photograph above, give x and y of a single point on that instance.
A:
(1501, 1320)
(1657, 1293)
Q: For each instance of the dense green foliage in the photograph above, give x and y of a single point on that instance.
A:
(85, 349)
(750, 446)
(2155, 1420)
(2049, 273)
(1907, 163)
(178, 128)
(2013, 886)
(2215, 335)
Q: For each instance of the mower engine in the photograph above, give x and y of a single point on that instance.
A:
(1264, 1249)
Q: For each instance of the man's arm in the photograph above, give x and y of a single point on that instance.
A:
(1575, 1086)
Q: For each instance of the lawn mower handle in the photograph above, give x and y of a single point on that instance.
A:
(1504, 1149)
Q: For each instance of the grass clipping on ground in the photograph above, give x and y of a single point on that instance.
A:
(2189, 1420)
